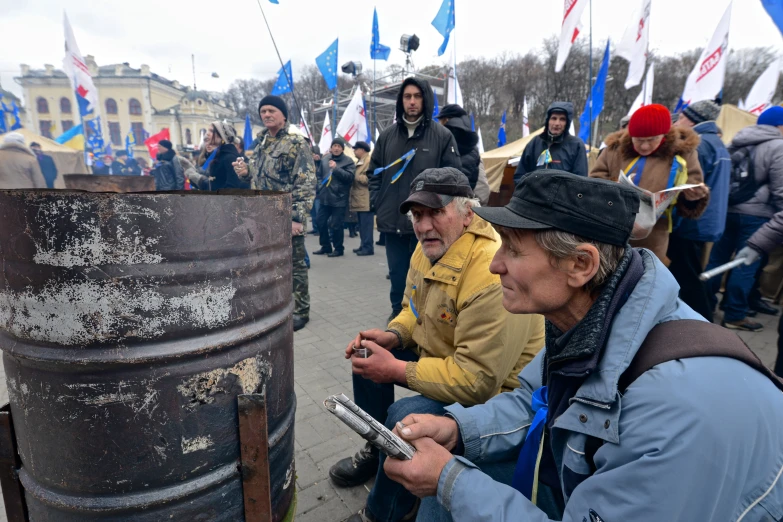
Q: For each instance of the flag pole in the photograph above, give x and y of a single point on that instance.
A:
(374, 109)
(334, 112)
(590, 82)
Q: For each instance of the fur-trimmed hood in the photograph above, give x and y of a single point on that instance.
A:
(678, 141)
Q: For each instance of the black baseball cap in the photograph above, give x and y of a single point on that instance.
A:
(596, 209)
(435, 188)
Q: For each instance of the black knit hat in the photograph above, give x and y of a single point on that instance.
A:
(701, 111)
(338, 141)
(276, 102)
(166, 143)
(315, 150)
(451, 111)
(362, 145)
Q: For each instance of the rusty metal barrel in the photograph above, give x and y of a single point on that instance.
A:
(129, 323)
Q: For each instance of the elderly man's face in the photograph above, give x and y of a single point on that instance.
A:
(438, 228)
(531, 282)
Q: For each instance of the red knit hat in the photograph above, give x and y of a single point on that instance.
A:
(650, 120)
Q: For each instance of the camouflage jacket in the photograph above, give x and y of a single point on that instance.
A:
(284, 163)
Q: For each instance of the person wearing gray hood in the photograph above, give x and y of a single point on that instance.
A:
(755, 209)
(554, 148)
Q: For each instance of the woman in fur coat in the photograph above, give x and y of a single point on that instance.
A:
(656, 156)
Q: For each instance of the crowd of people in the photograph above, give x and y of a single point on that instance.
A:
(566, 361)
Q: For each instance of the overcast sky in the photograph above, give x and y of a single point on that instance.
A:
(230, 37)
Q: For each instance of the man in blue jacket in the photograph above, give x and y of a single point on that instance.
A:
(686, 243)
(615, 420)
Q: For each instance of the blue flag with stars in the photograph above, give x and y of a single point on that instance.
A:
(94, 135)
(502, 131)
(444, 22)
(285, 80)
(378, 51)
(3, 108)
(596, 98)
(17, 120)
(327, 64)
(436, 109)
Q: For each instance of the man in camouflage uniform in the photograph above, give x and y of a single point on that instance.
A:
(282, 162)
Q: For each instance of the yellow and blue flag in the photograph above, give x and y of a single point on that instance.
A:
(73, 137)
(130, 142)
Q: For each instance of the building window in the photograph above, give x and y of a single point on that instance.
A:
(114, 132)
(138, 132)
(65, 106)
(42, 106)
(67, 125)
(188, 137)
(134, 107)
(46, 128)
(111, 106)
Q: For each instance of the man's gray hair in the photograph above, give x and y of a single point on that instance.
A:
(463, 204)
(563, 245)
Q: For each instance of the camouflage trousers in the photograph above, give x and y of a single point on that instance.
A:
(299, 273)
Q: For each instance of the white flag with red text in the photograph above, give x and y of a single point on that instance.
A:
(353, 125)
(326, 136)
(706, 80)
(760, 96)
(572, 14)
(646, 94)
(76, 69)
(633, 46)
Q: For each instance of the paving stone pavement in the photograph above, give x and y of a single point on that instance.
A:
(348, 294)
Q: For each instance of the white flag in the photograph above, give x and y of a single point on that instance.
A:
(303, 126)
(646, 94)
(571, 130)
(480, 142)
(326, 136)
(525, 125)
(353, 125)
(76, 69)
(633, 46)
(572, 13)
(706, 79)
(760, 97)
(454, 92)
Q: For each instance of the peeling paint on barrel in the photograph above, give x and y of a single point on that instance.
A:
(80, 312)
(201, 388)
(196, 444)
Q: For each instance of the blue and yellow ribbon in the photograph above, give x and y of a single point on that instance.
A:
(407, 157)
(327, 181)
(410, 301)
(544, 159)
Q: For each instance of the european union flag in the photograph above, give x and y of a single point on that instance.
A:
(596, 98)
(377, 50)
(444, 22)
(248, 136)
(94, 136)
(17, 120)
(285, 80)
(436, 109)
(775, 11)
(3, 109)
(502, 131)
(327, 64)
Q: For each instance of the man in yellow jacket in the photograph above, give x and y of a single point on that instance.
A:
(453, 340)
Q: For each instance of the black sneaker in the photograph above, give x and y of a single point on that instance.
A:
(322, 252)
(356, 470)
(744, 325)
(300, 322)
(763, 307)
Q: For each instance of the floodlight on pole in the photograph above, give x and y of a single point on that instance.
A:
(352, 68)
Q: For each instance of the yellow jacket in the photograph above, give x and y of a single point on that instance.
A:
(470, 348)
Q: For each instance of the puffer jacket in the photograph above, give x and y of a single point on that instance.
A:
(466, 144)
(435, 147)
(716, 164)
(619, 153)
(360, 192)
(222, 168)
(19, 168)
(336, 192)
(568, 152)
(470, 348)
(691, 439)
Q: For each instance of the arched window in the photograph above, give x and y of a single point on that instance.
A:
(65, 105)
(111, 106)
(134, 107)
(42, 105)
(188, 137)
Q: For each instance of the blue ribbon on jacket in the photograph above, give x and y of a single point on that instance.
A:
(209, 160)
(410, 302)
(525, 472)
(407, 157)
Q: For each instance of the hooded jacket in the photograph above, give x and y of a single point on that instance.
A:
(222, 168)
(435, 147)
(716, 165)
(690, 439)
(467, 142)
(337, 191)
(568, 152)
(167, 175)
(679, 141)
(19, 168)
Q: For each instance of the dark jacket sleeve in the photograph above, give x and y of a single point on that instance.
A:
(345, 173)
(375, 182)
(580, 159)
(770, 235)
(449, 156)
(179, 174)
(470, 166)
(522, 167)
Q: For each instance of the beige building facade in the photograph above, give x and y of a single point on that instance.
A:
(135, 101)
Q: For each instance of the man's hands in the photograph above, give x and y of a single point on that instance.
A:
(380, 366)
(696, 193)
(750, 254)
(332, 164)
(383, 339)
(433, 437)
(240, 167)
(297, 229)
(420, 475)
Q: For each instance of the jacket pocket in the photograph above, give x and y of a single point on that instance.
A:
(765, 506)
(576, 468)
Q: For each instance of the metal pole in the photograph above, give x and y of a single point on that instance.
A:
(193, 63)
(334, 112)
(590, 83)
(374, 108)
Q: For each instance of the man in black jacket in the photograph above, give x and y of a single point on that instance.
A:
(167, 172)
(414, 144)
(456, 119)
(48, 168)
(554, 148)
(335, 190)
(122, 166)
